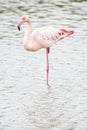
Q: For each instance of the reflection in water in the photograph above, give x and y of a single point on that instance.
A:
(25, 101)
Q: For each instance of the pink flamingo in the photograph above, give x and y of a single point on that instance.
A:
(43, 37)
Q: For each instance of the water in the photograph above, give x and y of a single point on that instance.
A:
(25, 101)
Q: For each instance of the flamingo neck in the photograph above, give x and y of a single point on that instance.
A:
(27, 36)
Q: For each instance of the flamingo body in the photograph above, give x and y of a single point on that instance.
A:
(43, 37)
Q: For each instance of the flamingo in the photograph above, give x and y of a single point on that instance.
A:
(43, 37)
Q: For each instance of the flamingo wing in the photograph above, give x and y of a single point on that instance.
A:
(47, 36)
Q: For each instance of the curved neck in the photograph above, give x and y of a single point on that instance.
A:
(29, 24)
(27, 35)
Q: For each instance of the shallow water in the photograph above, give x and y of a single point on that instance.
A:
(25, 101)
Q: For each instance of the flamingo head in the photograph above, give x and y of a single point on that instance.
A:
(22, 20)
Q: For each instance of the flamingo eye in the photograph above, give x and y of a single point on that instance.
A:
(23, 18)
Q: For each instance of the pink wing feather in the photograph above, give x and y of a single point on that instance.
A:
(49, 35)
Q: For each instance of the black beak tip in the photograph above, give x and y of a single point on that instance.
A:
(18, 28)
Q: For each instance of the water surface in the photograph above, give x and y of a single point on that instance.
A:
(25, 101)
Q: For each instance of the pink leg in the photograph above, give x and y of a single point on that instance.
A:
(47, 69)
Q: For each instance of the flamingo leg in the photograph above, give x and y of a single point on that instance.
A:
(47, 68)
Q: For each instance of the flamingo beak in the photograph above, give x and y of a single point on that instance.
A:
(19, 25)
(19, 28)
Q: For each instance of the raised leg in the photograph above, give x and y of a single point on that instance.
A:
(47, 68)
